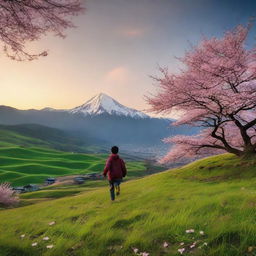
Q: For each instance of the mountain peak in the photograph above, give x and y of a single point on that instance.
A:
(104, 104)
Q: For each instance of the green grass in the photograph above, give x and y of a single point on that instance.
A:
(216, 195)
(24, 165)
(49, 194)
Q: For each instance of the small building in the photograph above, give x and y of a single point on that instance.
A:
(31, 188)
(18, 190)
(50, 181)
(79, 180)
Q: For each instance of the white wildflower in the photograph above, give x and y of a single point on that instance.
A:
(34, 244)
(182, 243)
(22, 236)
(46, 238)
(49, 246)
(201, 232)
(52, 223)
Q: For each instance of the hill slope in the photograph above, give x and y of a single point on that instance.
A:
(39, 135)
(149, 211)
(21, 166)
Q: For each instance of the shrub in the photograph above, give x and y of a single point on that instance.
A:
(7, 195)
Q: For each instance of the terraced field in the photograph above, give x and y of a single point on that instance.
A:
(23, 165)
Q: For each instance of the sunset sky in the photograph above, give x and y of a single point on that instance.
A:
(115, 48)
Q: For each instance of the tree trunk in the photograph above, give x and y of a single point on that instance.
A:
(249, 152)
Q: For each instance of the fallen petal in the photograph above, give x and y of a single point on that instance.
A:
(165, 245)
(135, 250)
(181, 250)
(52, 223)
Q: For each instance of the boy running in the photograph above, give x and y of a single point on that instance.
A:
(116, 170)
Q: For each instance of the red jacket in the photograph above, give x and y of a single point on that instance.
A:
(115, 167)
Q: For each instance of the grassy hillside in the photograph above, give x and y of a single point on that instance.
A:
(209, 195)
(22, 165)
(29, 135)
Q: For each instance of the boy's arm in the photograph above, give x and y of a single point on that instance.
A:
(124, 168)
(106, 169)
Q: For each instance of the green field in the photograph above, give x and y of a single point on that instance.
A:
(24, 165)
(216, 195)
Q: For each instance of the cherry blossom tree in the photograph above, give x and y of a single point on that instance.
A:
(215, 90)
(7, 195)
(23, 21)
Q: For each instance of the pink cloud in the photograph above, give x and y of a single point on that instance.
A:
(118, 74)
(132, 32)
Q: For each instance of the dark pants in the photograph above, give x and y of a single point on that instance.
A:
(114, 183)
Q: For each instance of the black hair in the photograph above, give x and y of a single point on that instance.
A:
(114, 150)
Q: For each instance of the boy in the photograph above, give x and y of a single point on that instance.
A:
(116, 170)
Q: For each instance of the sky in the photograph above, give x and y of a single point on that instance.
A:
(115, 49)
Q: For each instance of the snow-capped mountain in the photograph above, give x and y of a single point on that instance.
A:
(104, 104)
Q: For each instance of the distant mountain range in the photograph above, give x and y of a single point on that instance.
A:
(101, 120)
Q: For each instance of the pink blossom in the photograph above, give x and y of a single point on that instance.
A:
(215, 91)
(7, 195)
(26, 21)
